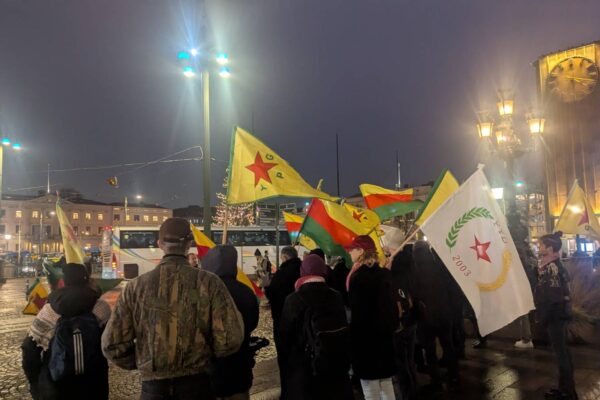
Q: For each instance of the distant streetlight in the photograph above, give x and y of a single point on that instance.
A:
(139, 197)
(193, 62)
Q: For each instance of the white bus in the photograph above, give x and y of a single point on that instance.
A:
(131, 251)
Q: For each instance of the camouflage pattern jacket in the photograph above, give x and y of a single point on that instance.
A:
(172, 321)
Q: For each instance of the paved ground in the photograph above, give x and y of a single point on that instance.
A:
(499, 372)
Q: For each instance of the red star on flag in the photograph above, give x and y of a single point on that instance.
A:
(585, 218)
(260, 169)
(481, 250)
(357, 215)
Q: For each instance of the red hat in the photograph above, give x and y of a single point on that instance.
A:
(362, 242)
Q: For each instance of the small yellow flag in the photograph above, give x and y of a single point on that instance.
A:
(294, 223)
(371, 222)
(443, 188)
(257, 173)
(73, 250)
(577, 216)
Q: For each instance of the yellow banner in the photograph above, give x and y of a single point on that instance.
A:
(73, 250)
(256, 172)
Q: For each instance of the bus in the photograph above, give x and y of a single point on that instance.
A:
(130, 251)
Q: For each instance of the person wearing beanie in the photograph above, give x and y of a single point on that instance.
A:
(312, 311)
(232, 375)
(172, 322)
(77, 298)
(552, 299)
(374, 320)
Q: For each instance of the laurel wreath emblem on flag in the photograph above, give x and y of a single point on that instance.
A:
(454, 233)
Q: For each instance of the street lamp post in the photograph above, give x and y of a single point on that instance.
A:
(192, 61)
(16, 146)
(504, 137)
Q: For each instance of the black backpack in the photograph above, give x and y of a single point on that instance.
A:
(327, 339)
(75, 348)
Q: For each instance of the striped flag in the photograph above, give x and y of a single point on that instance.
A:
(443, 188)
(389, 203)
(294, 223)
(203, 243)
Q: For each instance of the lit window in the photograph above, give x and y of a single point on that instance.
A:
(165, 218)
(146, 218)
(127, 217)
(88, 216)
(136, 218)
(88, 245)
(75, 215)
(88, 230)
(155, 218)
(100, 217)
(35, 214)
(18, 213)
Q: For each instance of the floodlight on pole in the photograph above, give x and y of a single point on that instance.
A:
(189, 72)
(222, 58)
(5, 141)
(224, 72)
(194, 52)
(17, 146)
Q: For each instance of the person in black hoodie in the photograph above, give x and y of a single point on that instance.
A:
(280, 287)
(374, 320)
(232, 377)
(433, 296)
(317, 307)
(76, 298)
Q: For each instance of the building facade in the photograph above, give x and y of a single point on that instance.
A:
(29, 223)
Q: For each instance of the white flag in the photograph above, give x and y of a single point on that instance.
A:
(470, 234)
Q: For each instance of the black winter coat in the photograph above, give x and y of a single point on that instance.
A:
(373, 322)
(233, 374)
(300, 383)
(68, 302)
(431, 292)
(281, 286)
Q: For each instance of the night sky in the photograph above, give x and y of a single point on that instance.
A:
(88, 83)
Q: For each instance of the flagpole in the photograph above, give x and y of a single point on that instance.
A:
(337, 163)
(277, 236)
(225, 223)
(399, 249)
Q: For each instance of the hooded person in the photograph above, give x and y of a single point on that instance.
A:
(79, 302)
(314, 318)
(374, 320)
(232, 377)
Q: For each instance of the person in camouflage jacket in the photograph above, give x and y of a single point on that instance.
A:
(171, 322)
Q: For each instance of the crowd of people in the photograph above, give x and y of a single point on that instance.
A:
(339, 331)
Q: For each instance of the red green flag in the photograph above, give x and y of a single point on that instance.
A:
(389, 203)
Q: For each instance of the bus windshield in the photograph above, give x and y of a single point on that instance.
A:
(138, 239)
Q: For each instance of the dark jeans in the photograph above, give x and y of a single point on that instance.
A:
(443, 331)
(557, 334)
(196, 387)
(405, 341)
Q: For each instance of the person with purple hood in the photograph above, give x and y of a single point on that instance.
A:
(314, 338)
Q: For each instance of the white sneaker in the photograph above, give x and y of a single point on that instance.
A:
(521, 344)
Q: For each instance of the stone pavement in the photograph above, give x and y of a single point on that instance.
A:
(499, 372)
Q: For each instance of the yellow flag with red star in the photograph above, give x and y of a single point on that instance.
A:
(577, 216)
(256, 172)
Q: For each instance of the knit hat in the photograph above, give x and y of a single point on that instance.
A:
(314, 265)
(75, 275)
(362, 242)
(175, 230)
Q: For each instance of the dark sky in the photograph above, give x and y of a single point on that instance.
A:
(95, 83)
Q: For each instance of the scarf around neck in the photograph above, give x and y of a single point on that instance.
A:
(306, 279)
(548, 258)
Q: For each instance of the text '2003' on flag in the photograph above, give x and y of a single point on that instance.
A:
(470, 235)
(256, 172)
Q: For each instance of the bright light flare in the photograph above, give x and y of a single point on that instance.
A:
(498, 193)
(484, 129)
(183, 55)
(17, 146)
(224, 72)
(194, 52)
(189, 72)
(6, 142)
(575, 209)
(222, 58)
